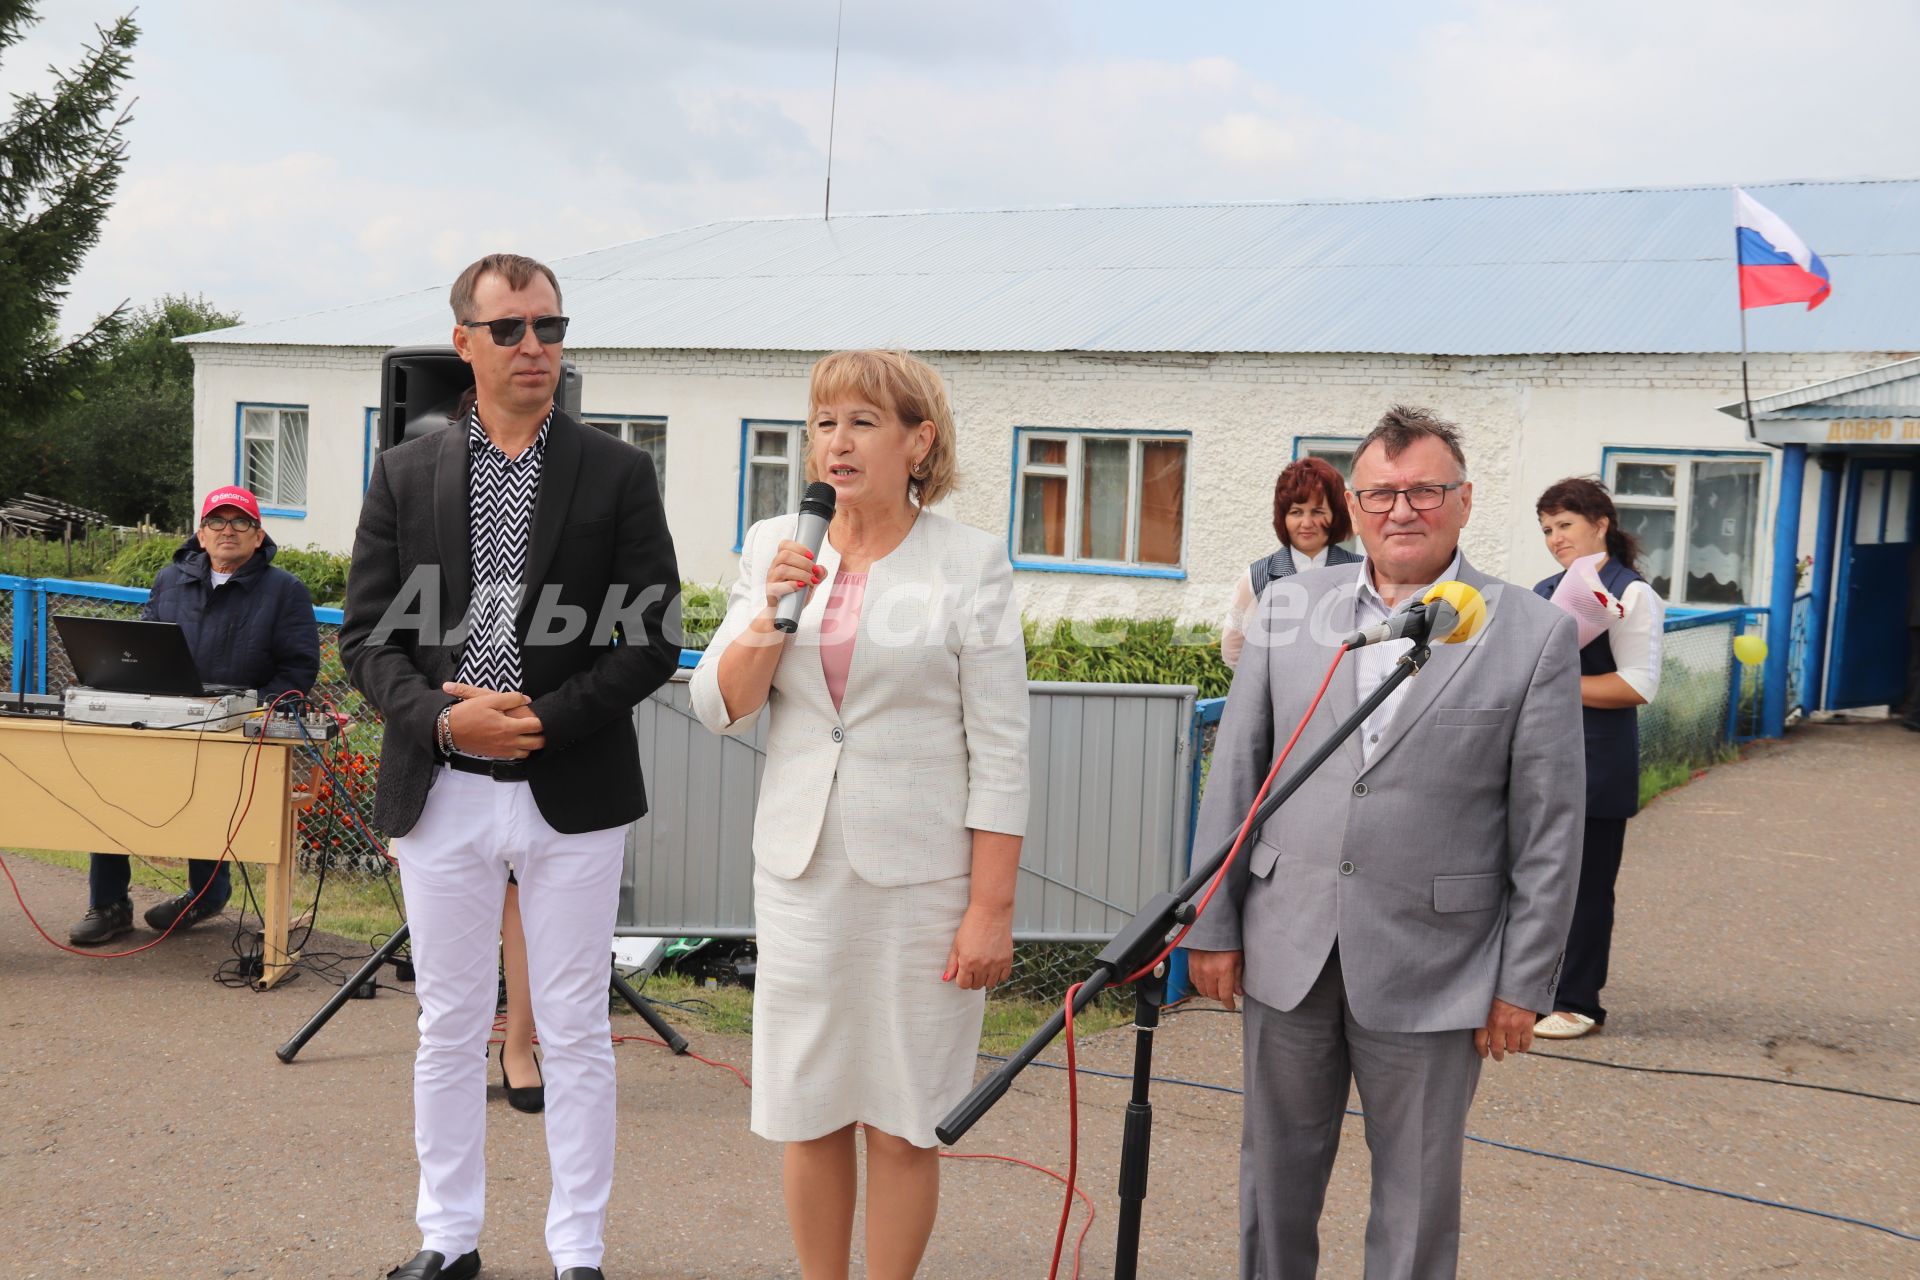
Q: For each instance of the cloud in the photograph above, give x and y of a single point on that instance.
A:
(290, 159)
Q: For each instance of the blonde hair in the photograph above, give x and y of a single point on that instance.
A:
(908, 386)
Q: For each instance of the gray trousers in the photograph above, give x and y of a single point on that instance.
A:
(1415, 1089)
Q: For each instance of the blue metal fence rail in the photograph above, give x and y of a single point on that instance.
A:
(27, 637)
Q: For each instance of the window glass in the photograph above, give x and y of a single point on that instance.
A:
(1722, 516)
(1163, 490)
(768, 492)
(1643, 480)
(1653, 529)
(1899, 505)
(1043, 516)
(1103, 498)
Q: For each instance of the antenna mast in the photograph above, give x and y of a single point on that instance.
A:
(833, 108)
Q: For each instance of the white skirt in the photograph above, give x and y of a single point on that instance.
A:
(851, 1022)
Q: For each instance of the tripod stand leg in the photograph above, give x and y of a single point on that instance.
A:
(291, 1048)
(1136, 1143)
(643, 1007)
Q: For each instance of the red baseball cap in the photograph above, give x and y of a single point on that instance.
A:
(231, 496)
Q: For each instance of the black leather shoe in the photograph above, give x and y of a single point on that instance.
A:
(580, 1273)
(102, 924)
(428, 1265)
(532, 1098)
(183, 908)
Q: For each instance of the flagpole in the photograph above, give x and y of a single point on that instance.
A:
(1740, 297)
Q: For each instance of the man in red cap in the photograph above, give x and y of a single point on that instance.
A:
(248, 625)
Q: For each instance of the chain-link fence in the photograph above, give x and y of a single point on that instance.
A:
(95, 601)
(12, 653)
(1707, 700)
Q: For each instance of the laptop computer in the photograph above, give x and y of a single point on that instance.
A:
(121, 655)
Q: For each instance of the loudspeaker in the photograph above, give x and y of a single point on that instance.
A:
(420, 390)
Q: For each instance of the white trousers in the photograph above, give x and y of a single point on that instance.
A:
(453, 867)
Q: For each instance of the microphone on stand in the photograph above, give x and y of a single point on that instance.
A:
(816, 513)
(1450, 613)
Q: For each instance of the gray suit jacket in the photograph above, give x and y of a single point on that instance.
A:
(1461, 837)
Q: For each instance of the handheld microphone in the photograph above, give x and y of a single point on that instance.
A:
(1450, 612)
(816, 513)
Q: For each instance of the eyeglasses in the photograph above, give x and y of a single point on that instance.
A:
(239, 524)
(508, 331)
(1422, 497)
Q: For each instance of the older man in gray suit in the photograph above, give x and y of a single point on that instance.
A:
(1403, 915)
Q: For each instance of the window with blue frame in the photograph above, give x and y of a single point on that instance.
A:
(1093, 501)
(272, 456)
(645, 432)
(1697, 519)
(772, 468)
(1336, 451)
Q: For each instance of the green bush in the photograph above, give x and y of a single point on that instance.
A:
(324, 572)
(137, 564)
(702, 608)
(1099, 650)
(1128, 651)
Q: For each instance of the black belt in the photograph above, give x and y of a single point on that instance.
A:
(498, 770)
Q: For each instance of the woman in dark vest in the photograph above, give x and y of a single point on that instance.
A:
(1310, 517)
(1619, 671)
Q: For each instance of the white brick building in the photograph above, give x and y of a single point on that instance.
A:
(1211, 345)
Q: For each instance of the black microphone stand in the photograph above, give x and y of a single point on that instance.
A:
(1132, 947)
(621, 987)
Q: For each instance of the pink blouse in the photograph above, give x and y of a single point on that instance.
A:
(838, 627)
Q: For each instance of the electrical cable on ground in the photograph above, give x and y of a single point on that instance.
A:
(1508, 1146)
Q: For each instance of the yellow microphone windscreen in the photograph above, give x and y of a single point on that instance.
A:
(1468, 603)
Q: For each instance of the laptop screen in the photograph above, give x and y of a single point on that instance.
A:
(123, 655)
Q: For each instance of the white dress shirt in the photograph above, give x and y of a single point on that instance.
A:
(1376, 661)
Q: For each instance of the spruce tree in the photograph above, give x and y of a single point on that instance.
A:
(61, 154)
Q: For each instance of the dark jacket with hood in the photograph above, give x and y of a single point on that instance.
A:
(256, 630)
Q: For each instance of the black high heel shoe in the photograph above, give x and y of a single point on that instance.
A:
(532, 1099)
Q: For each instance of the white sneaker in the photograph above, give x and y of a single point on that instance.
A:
(1563, 1025)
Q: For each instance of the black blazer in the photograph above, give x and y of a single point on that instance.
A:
(599, 546)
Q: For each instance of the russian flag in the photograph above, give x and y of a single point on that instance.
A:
(1775, 264)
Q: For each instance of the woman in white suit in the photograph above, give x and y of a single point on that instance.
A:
(891, 810)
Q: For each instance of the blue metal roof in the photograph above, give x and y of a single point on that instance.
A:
(1644, 271)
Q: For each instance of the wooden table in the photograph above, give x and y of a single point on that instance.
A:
(159, 793)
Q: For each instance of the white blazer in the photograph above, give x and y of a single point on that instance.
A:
(930, 742)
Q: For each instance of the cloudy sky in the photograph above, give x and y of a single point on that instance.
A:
(288, 157)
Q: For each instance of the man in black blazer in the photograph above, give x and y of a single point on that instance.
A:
(507, 607)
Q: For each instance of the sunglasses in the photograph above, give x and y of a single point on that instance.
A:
(508, 332)
(239, 524)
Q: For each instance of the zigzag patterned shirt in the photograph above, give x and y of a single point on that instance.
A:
(500, 495)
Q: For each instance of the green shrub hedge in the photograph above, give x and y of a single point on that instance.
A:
(1128, 651)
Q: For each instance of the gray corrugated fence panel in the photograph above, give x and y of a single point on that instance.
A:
(690, 859)
(1110, 777)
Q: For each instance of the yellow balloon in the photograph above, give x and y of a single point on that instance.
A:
(1751, 650)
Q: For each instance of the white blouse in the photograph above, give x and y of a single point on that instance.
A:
(1233, 632)
(1635, 639)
